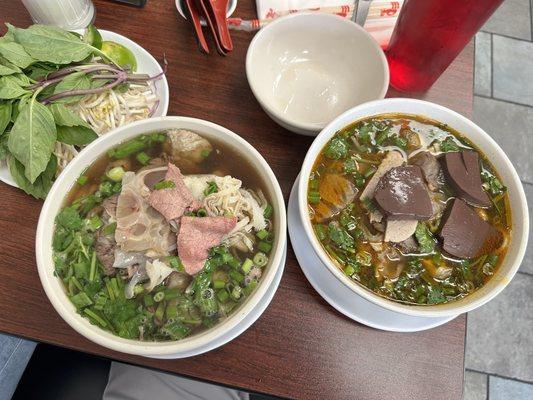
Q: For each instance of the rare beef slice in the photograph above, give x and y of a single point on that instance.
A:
(465, 234)
(402, 194)
(463, 172)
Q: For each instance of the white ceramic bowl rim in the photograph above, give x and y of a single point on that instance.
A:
(286, 19)
(53, 287)
(390, 106)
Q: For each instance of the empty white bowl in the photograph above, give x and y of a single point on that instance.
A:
(502, 164)
(306, 69)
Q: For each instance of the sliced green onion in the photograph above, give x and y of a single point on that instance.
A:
(219, 284)
(164, 185)
(260, 259)
(370, 171)
(171, 311)
(81, 300)
(264, 247)
(159, 296)
(142, 157)
(110, 290)
(100, 303)
(173, 293)
(211, 188)
(76, 283)
(237, 276)
(205, 153)
(175, 262)
(94, 223)
(160, 311)
(95, 317)
(201, 212)
(313, 197)
(148, 301)
(262, 234)
(349, 270)
(82, 180)
(92, 272)
(247, 265)
(109, 229)
(236, 293)
(116, 174)
(268, 211)
(249, 288)
(321, 231)
(222, 295)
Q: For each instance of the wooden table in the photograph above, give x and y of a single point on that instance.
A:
(300, 347)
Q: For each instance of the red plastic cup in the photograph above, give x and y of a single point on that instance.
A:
(429, 35)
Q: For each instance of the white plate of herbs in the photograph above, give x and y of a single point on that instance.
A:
(60, 90)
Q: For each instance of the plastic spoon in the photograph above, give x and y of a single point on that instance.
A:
(219, 9)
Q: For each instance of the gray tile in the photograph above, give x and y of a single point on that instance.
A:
(512, 70)
(475, 386)
(499, 339)
(527, 264)
(483, 70)
(511, 126)
(506, 389)
(511, 19)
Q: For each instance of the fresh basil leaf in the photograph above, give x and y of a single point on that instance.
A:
(17, 106)
(75, 135)
(5, 115)
(21, 80)
(10, 89)
(42, 184)
(75, 81)
(7, 68)
(40, 70)
(52, 44)
(32, 138)
(65, 117)
(15, 53)
(4, 151)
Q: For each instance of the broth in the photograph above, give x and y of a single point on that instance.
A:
(134, 280)
(352, 226)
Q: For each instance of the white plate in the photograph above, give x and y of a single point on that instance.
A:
(246, 322)
(337, 294)
(146, 64)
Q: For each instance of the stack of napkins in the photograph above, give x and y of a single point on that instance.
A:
(380, 22)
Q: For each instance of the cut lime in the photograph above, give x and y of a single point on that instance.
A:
(93, 37)
(121, 55)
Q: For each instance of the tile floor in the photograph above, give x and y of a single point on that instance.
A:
(499, 349)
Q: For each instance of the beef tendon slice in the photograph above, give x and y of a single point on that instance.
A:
(464, 175)
(403, 195)
(465, 234)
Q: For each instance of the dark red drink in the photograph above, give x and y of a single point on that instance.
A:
(429, 35)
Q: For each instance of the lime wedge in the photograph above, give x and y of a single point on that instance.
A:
(93, 37)
(121, 55)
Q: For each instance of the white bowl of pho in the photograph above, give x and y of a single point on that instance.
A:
(161, 238)
(414, 207)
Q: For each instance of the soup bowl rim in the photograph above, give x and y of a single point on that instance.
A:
(196, 343)
(387, 106)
